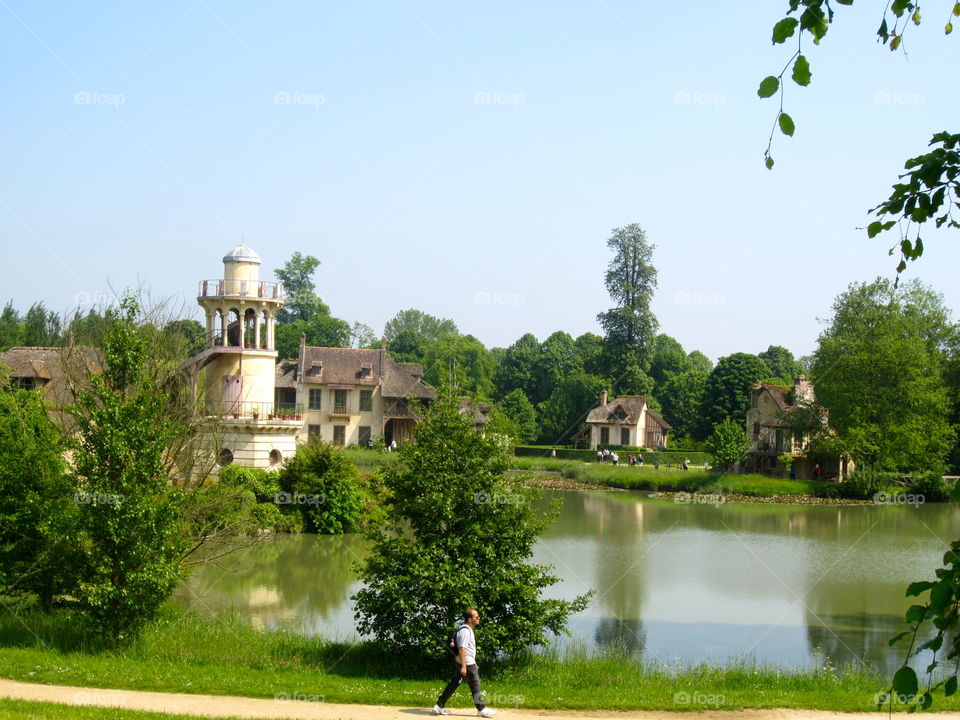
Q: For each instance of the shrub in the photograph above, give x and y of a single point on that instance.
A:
(322, 485)
(932, 486)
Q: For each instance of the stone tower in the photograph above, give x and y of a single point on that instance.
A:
(240, 359)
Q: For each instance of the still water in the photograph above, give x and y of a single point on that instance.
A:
(792, 585)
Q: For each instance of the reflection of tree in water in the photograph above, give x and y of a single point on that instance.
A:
(628, 636)
(283, 581)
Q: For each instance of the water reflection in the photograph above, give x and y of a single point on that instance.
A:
(786, 584)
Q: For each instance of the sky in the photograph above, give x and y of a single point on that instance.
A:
(469, 162)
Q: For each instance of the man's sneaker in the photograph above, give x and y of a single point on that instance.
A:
(437, 710)
(486, 712)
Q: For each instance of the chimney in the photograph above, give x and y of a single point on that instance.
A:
(603, 397)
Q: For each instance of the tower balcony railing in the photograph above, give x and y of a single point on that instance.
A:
(241, 288)
(257, 411)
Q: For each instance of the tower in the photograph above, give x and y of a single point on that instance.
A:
(240, 362)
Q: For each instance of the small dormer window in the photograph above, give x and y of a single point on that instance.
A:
(365, 370)
(316, 368)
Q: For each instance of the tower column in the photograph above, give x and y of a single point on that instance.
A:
(256, 330)
(223, 327)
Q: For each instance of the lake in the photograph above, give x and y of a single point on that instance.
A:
(792, 585)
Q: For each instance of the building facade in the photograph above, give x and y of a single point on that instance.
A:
(627, 420)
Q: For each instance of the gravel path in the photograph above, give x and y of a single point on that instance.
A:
(305, 709)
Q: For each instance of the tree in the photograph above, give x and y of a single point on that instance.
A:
(699, 361)
(416, 321)
(669, 358)
(302, 302)
(783, 367)
(930, 187)
(321, 331)
(681, 397)
(362, 336)
(460, 535)
(727, 392)
(728, 444)
(127, 541)
(557, 359)
(516, 406)
(10, 330)
(408, 347)
(36, 499)
(517, 369)
(630, 280)
(192, 332)
(463, 360)
(40, 328)
(879, 371)
(589, 353)
(567, 407)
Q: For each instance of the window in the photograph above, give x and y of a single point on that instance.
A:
(756, 431)
(624, 436)
(364, 437)
(604, 436)
(276, 457)
(313, 433)
(366, 400)
(340, 401)
(315, 396)
(225, 457)
(340, 433)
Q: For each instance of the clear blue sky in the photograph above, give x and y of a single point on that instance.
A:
(468, 162)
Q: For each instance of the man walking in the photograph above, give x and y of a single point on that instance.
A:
(466, 667)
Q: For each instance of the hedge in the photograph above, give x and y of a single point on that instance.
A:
(649, 458)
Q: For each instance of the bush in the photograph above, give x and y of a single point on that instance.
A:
(322, 485)
(264, 484)
(932, 486)
(862, 484)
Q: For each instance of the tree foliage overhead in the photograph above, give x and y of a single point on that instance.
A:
(929, 189)
(460, 535)
(879, 370)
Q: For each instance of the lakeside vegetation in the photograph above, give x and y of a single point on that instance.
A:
(236, 659)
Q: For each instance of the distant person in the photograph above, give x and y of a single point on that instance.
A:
(614, 458)
(553, 452)
(466, 667)
(639, 459)
(370, 443)
(686, 463)
(393, 446)
(817, 471)
(793, 471)
(599, 455)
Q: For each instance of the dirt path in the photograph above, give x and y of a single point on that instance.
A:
(308, 708)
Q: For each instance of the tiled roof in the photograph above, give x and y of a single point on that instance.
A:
(59, 368)
(631, 406)
(777, 392)
(658, 418)
(349, 367)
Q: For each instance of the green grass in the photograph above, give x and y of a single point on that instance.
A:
(668, 479)
(185, 653)
(29, 710)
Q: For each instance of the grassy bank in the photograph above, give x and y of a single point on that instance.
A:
(28, 710)
(235, 659)
(664, 479)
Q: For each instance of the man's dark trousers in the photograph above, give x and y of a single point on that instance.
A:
(473, 680)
